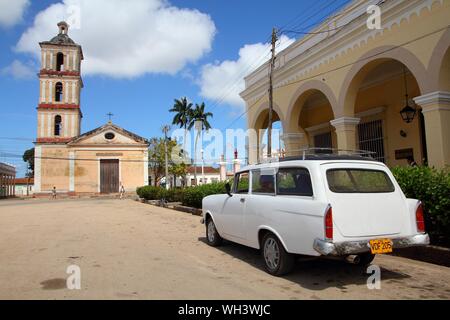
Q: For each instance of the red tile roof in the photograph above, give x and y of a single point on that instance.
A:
(24, 181)
(208, 170)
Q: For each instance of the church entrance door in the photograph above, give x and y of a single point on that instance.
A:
(109, 176)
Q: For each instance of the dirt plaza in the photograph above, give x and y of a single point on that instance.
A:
(129, 250)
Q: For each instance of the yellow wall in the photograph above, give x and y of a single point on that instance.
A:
(420, 41)
(56, 172)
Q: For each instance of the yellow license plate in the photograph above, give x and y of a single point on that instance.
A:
(381, 246)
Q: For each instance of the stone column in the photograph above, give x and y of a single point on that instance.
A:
(37, 169)
(223, 169)
(236, 165)
(1, 185)
(8, 185)
(294, 143)
(346, 132)
(436, 111)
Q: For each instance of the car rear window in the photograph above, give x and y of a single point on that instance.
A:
(359, 181)
(294, 182)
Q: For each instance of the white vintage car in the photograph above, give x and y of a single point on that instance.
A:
(345, 207)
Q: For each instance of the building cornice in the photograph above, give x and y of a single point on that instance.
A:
(345, 121)
(47, 72)
(58, 106)
(438, 97)
(305, 55)
(53, 140)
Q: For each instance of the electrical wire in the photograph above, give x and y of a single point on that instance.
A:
(259, 61)
(342, 67)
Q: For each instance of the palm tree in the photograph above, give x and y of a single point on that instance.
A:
(199, 116)
(182, 118)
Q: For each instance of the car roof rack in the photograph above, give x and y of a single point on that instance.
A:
(324, 154)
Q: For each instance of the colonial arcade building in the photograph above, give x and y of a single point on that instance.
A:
(98, 161)
(350, 87)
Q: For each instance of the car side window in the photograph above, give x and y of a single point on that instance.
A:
(263, 181)
(294, 181)
(241, 184)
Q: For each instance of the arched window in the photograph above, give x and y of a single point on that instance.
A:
(60, 61)
(58, 125)
(58, 92)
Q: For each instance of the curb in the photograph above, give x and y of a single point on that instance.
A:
(174, 206)
(430, 254)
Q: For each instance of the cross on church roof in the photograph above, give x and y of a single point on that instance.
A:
(110, 115)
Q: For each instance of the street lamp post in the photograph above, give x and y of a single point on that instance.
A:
(165, 130)
(203, 167)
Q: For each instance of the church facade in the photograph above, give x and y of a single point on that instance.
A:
(98, 161)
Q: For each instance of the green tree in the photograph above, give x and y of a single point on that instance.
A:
(28, 157)
(182, 118)
(156, 157)
(179, 170)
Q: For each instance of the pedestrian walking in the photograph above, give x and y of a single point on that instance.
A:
(122, 191)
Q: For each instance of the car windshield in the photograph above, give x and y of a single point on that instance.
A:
(359, 181)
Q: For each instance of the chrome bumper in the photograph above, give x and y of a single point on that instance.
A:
(354, 247)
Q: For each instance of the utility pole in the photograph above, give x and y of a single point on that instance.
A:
(166, 129)
(272, 66)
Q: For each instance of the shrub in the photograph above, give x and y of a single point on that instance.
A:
(157, 193)
(193, 196)
(148, 192)
(171, 195)
(432, 187)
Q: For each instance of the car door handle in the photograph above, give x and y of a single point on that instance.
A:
(242, 200)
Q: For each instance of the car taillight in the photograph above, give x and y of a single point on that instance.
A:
(420, 221)
(329, 224)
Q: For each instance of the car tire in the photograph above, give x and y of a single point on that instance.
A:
(277, 260)
(213, 238)
(365, 259)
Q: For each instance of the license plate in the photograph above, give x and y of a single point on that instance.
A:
(381, 246)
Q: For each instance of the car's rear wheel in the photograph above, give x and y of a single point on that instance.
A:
(277, 260)
(213, 238)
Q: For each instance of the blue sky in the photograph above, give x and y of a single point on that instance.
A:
(140, 102)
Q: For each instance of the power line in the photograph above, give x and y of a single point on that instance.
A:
(342, 67)
(121, 160)
(230, 88)
(17, 139)
(322, 18)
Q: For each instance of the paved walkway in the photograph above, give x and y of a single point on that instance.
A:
(129, 250)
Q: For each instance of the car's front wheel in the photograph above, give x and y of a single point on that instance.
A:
(277, 260)
(212, 236)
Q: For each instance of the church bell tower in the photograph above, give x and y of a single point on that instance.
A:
(59, 113)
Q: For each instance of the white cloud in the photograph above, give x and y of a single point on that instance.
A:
(19, 70)
(223, 81)
(126, 40)
(11, 11)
